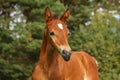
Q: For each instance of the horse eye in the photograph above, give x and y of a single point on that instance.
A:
(51, 33)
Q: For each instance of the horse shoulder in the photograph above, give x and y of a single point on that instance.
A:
(85, 58)
(89, 64)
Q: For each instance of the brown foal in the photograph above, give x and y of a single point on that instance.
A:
(57, 61)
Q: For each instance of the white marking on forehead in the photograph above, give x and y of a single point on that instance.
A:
(60, 25)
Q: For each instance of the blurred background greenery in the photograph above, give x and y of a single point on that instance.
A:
(94, 27)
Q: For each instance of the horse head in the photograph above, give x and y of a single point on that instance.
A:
(57, 33)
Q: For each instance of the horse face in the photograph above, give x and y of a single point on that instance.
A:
(58, 33)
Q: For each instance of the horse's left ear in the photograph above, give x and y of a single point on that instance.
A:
(65, 16)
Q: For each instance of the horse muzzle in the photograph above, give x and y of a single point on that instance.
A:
(66, 54)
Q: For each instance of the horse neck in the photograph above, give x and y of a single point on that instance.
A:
(48, 54)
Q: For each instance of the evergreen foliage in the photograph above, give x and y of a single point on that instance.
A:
(21, 32)
(100, 39)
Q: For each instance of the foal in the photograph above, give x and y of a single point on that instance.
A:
(57, 61)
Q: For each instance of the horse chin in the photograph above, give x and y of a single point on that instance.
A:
(67, 58)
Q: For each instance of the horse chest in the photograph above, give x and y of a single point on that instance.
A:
(54, 72)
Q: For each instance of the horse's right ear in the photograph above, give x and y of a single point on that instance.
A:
(47, 14)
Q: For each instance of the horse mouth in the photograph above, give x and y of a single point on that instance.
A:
(66, 58)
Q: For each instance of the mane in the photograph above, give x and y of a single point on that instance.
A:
(55, 16)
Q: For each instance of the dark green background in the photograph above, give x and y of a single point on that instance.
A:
(20, 46)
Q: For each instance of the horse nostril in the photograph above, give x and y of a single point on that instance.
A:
(64, 52)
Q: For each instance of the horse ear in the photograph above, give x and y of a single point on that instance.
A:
(48, 14)
(65, 16)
